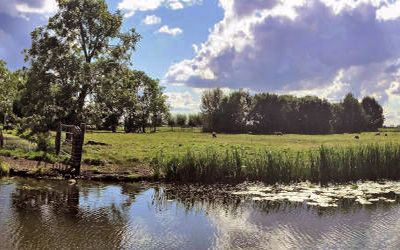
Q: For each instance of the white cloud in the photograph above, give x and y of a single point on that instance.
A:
(183, 101)
(20, 8)
(175, 5)
(324, 47)
(389, 12)
(47, 7)
(129, 7)
(170, 31)
(151, 20)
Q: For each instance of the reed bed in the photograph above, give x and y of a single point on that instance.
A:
(326, 164)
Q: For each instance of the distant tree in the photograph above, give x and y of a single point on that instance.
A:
(181, 120)
(210, 108)
(11, 84)
(352, 115)
(265, 115)
(374, 118)
(194, 120)
(314, 115)
(337, 122)
(149, 107)
(234, 112)
(171, 121)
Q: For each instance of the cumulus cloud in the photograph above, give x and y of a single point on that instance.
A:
(132, 6)
(170, 31)
(17, 19)
(183, 101)
(151, 20)
(20, 8)
(299, 46)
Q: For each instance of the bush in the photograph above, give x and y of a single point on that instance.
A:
(43, 142)
(4, 169)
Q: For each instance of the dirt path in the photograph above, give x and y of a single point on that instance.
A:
(40, 169)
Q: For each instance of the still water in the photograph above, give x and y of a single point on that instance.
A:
(55, 215)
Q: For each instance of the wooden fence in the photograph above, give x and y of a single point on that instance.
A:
(71, 145)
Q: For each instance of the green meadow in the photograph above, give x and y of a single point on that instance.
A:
(129, 149)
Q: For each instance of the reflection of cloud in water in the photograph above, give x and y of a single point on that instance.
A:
(166, 226)
(301, 228)
(100, 216)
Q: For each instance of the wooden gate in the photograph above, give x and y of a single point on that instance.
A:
(69, 142)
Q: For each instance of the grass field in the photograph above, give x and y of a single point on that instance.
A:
(191, 156)
(128, 149)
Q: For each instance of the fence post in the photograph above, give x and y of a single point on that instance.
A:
(77, 147)
(1, 139)
(58, 139)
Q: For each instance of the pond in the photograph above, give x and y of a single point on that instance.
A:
(39, 214)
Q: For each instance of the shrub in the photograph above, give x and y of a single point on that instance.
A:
(43, 142)
(4, 169)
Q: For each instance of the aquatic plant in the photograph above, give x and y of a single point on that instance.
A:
(327, 164)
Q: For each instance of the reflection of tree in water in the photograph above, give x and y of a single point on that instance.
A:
(48, 215)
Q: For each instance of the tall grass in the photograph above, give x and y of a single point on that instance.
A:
(333, 164)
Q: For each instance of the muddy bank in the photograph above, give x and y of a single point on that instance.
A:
(110, 173)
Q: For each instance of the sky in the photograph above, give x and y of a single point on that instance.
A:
(301, 47)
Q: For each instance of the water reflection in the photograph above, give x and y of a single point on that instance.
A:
(55, 215)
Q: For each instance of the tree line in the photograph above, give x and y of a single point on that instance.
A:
(264, 113)
(80, 71)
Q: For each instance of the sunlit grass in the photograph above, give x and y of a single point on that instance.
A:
(326, 164)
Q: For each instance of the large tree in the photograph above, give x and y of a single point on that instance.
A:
(72, 55)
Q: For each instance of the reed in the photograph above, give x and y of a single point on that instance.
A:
(326, 164)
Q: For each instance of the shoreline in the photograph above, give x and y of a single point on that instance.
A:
(19, 167)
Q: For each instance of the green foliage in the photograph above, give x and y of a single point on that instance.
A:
(181, 120)
(210, 108)
(4, 168)
(343, 164)
(11, 84)
(80, 49)
(43, 142)
(373, 114)
(123, 147)
(195, 120)
(265, 113)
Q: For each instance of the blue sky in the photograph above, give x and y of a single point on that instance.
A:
(302, 47)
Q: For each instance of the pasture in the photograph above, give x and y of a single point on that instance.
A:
(130, 149)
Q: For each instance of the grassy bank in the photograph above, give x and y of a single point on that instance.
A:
(130, 149)
(326, 164)
(189, 155)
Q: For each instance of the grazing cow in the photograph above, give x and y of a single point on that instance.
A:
(377, 134)
(356, 137)
(278, 133)
(214, 135)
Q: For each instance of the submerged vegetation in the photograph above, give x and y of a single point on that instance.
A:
(327, 164)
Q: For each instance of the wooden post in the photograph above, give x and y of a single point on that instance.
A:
(58, 139)
(77, 147)
(1, 139)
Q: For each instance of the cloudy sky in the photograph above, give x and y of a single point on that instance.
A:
(319, 47)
